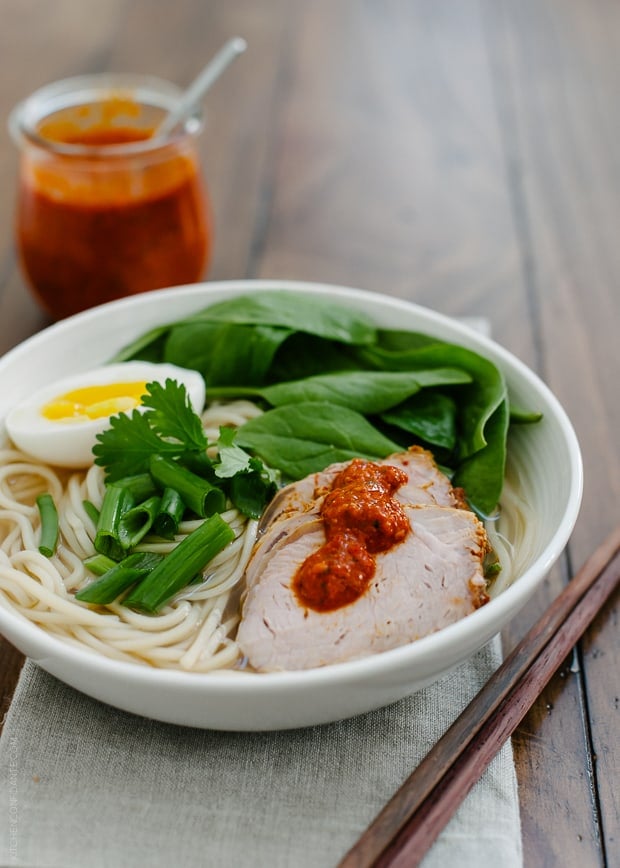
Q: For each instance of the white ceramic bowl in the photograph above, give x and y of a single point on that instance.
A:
(546, 455)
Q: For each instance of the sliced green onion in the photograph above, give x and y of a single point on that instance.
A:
(170, 514)
(99, 564)
(200, 464)
(91, 511)
(116, 502)
(182, 564)
(140, 486)
(49, 524)
(199, 495)
(493, 569)
(120, 577)
(137, 522)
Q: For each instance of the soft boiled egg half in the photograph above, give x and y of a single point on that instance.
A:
(59, 423)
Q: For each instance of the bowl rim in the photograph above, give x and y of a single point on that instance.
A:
(372, 666)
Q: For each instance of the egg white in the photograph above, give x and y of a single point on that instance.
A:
(69, 444)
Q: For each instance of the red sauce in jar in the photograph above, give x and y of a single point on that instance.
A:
(361, 519)
(94, 228)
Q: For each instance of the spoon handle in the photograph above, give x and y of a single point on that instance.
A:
(201, 84)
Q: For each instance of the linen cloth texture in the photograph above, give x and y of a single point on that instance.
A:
(82, 783)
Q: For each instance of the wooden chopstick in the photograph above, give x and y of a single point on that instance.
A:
(410, 822)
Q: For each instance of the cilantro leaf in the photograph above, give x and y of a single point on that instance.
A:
(249, 494)
(232, 459)
(252, 489)
(168, 426)
(227, 436)
(171, 415)
(125, 448)
(251, 485)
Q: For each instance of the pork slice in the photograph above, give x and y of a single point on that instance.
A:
(305, 495)
(425, 484)
(284, 532)
(431, 579)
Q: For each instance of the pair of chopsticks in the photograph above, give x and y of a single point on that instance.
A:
(405, 829)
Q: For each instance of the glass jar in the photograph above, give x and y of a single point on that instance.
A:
(105, 208)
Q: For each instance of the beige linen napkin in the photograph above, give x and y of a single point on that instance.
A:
(83, 784)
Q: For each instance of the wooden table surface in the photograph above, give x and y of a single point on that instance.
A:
(463, 155)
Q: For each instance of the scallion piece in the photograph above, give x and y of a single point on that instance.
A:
(120, 577)
(200, 464)
(199, 495)
(179, 568)
(49, 524)
(170, 514)
(99, 564)
(137, 522)
(91, 511)
(116, 502)
(140, 486)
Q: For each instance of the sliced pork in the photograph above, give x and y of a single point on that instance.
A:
(426, 484)
(430, 579)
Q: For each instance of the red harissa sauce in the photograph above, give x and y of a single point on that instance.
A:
(92, 230)
(361, 519)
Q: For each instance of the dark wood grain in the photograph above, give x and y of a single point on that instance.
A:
(12, 662)
(462, 155)
(555, 75)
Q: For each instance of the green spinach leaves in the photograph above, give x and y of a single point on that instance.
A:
(334, 387)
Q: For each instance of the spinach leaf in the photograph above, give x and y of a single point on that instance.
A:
(477, 402)
(304, 438)
(395, 341)
(519, 416)
(368, 392)
(302, 355)
(234, 341)
(225, 353)
(325, 368)
(295, 312)
(482, 474)
(149, 347)
(429, 415)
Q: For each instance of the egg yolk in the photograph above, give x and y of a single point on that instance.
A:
(94, 402)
